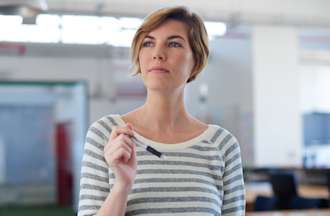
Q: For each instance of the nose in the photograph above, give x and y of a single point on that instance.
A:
(158, 57)
(158, 54)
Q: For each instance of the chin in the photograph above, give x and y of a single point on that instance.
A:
(156, 86)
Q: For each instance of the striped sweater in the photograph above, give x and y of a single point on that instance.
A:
(199, 177)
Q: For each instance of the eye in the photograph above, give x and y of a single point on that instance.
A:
(147, 44)
(174, 44)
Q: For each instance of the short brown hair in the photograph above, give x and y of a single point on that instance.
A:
(197, 35)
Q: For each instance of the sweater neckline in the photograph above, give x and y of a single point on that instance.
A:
(168, 146)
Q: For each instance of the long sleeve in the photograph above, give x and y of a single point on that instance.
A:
(94, 182)
(233, 183)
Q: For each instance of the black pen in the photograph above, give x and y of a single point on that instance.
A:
(148, 148)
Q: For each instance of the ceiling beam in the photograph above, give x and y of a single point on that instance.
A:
(265, 12)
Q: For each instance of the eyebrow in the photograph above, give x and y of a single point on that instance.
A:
(169, 38)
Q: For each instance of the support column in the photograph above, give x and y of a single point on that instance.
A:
(278, 124)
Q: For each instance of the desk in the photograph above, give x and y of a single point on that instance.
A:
(265, 189)
(254, 189)
(293, 213)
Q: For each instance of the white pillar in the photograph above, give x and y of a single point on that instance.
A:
(278, 125)
(2, 161)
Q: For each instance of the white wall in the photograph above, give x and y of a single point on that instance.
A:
(38, 68)
(315, 87)
(276, 88)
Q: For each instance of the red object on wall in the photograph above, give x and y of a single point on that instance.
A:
(64, 187)
(20, 48)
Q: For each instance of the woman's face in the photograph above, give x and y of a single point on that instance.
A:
(166, 59)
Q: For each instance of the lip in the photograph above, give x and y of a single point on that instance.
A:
(158, 69)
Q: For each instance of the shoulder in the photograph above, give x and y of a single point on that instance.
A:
(222, 138)
(101, 128)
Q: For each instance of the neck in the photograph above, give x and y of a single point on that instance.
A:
(163, 112)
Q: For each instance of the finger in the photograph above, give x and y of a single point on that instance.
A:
(132, 160)
(116, 131)
(128, 141)
(118, 144)
(119, 155)
(123, 138)
(130, 125)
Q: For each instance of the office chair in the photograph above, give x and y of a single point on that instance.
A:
(284, 187)
(264, 203)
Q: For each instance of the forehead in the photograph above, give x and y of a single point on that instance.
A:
(169, 28)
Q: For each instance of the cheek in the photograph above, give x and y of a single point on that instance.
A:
(142, 61)
(187, 63)
(191, 61)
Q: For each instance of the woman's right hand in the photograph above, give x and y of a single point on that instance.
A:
(120, 154)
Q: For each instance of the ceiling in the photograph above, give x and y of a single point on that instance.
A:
(278, 12)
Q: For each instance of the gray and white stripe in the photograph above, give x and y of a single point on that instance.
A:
(204, 179)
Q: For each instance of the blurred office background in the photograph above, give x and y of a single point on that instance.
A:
(66, 63)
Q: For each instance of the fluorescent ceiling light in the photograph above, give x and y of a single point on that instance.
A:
(130, 23)
(215, 29)
(45, 31)
(81, 29)
(10, 20)
(48, 20)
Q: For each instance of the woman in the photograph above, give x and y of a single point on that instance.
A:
(201, 173)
